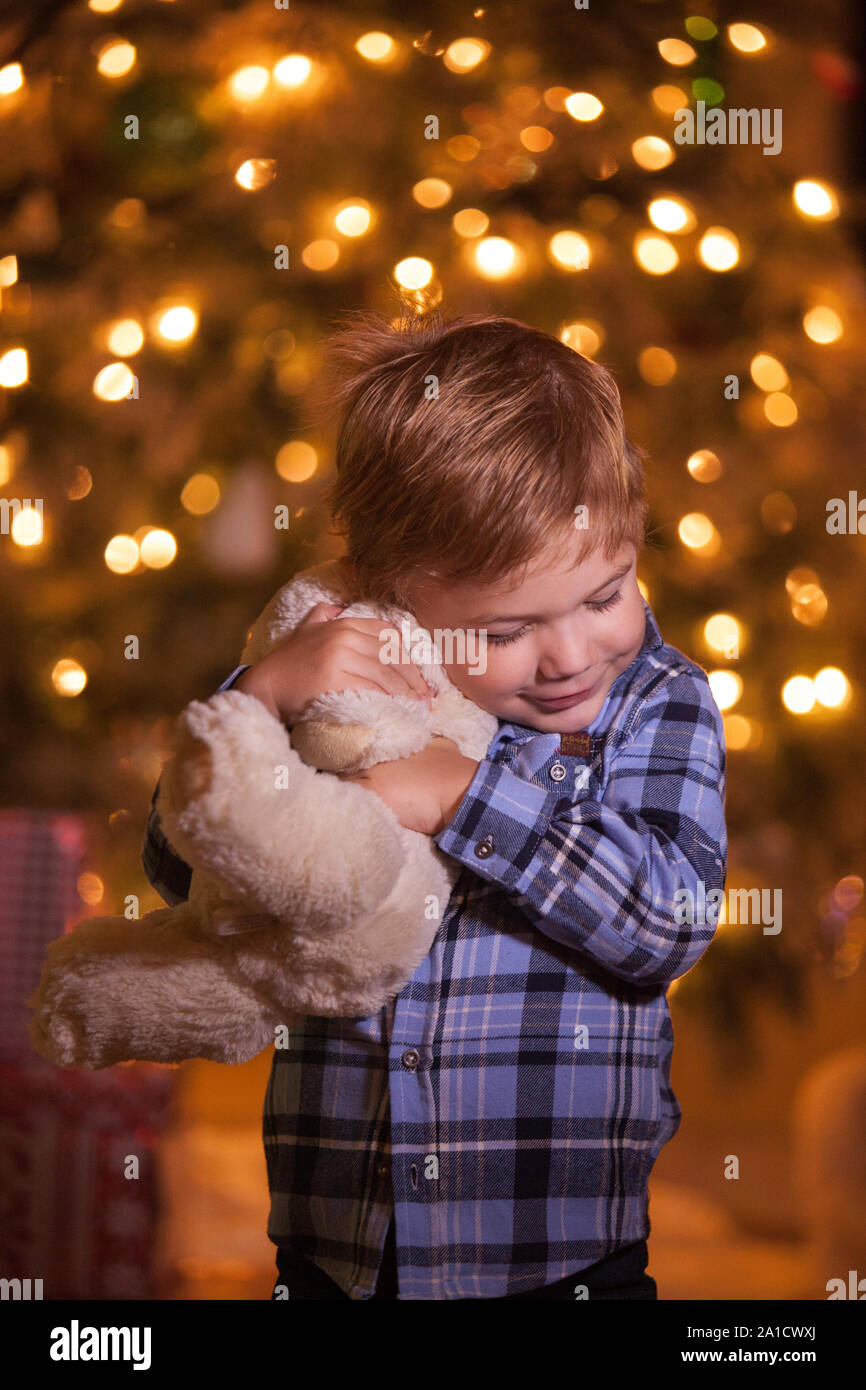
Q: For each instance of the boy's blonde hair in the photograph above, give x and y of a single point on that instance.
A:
(465, 446)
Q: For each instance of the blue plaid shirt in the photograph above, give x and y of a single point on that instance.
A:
(507, 1107)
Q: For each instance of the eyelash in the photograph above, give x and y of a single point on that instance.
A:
(500, 640)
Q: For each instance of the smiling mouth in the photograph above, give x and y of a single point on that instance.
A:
(559, 701)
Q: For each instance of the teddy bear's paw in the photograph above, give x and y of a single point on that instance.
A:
(331, 747)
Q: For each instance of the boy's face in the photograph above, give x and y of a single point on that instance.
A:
(555, 643)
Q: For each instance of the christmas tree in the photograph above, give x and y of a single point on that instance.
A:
(192, 193)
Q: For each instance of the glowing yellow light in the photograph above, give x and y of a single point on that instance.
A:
(114, 382)
(780, 409)
(296, 461)
(740, 732)
(353, 219)
(68, 677)
(26, 528)
(413, 273)
(677, 52)
(5, 464)
(798, 694)
(463, 148)
(671, 215)
(746, 37)
(697, 532)
(657, 366)
(722, 632)
(158, 549)
(432, 193)
(177, 324)
(583, 106)
(255, 174)
(767, 372)
(831, 687)
(465, 54)
(470, 222)
(669, 99)
(495, 257)
(570, 249)
(121, 554)
(704, 466)
(13, 368)
(293, 70)
(200, 494)
(651, 152)
(809, 605)
(116, 58)
(726, 688)
(321, 254)
(90, 888)
(125, 337)
(536, 138)
(800, 578)
(848, 892)
(376, 47)
(816, 199)
(11, 79)
(585, 338)
(821, 324)
(8, 270)
(719, 249)
(655, 254)
(104, 6)
(248, 84)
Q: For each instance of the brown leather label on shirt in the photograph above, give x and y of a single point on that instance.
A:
(575, 745)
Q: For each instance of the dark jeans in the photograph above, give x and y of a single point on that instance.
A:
(619, 1275)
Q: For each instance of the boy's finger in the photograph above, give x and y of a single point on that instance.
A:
(320, 613)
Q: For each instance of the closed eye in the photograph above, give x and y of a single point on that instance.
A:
(500, 639)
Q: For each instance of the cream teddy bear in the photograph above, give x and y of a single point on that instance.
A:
(307, 895)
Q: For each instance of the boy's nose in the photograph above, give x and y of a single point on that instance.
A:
(571, 661)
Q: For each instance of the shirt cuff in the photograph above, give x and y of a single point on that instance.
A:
(499, 824)
(238, 671)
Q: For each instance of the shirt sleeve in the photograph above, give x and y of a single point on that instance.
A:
(164, 869)
(604, 871)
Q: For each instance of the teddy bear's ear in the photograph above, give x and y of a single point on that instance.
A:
(330, 747)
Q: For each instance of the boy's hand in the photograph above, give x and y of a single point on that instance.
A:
(326, 652)
(423, 790)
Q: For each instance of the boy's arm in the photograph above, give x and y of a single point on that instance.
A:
(166, 871)
(601, 875)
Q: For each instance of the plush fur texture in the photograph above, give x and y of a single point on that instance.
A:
(307, 896)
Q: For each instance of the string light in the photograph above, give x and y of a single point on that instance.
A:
(704, 466)
(68, 677)
(413, 273)
(13, 368)
(583, 106)
(652, 152)
(655, 254)
(569, 250)
(296, 461)
(465, 54)
(719, 249)
(353, 218)
(11, 79)
(677, 52)
(746, 38)
(293, 70)
(376, 47)
(116, 58)
(496, 257)
(816, 199)
(822, 324)
(250, 83)
(671, 215)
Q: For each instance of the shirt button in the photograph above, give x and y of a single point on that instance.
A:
(484, 848)
(410, 1058)
(383, 1169)
(557, 772)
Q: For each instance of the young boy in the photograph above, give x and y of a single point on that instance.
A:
(490, 1133)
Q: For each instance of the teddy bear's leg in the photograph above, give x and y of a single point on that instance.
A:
(273, 834)
(113, 991)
